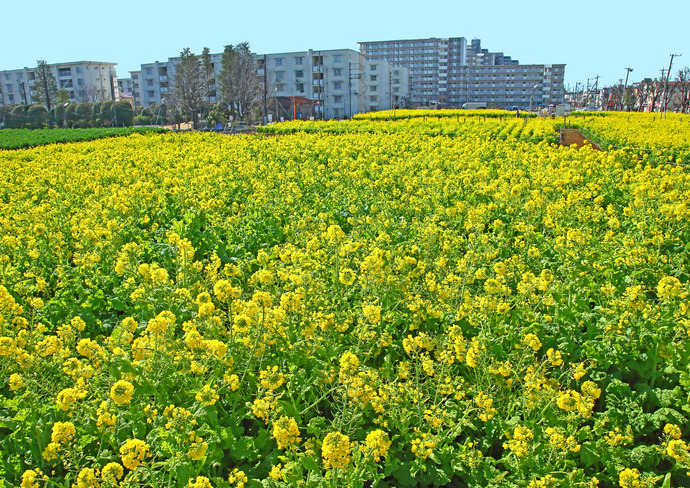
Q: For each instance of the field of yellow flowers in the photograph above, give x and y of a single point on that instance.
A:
(655, 134)
(342, 310)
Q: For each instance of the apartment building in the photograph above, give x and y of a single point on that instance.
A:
(125, 87)
(429, 62)
(507, 86)
(84, 81)
(385, 86)
(155, 82)
(135, 76)
(339, 81)
(449, 73)
(328, 84)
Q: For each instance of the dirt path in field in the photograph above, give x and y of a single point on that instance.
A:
(574, 136)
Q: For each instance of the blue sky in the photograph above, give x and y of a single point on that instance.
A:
(591, 37)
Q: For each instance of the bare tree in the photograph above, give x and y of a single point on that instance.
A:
(92, 94)
(616, 96)
(683, 88)
(241, 86)
(654, 92)
(641, 93)
(226, 78)
(189, 86)
(248, 85)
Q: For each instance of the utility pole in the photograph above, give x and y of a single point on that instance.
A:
(628, 70)
(668, 75)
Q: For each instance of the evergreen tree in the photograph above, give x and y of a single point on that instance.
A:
(226, 78)
(45, 87)
(189, 85)
(241, 86)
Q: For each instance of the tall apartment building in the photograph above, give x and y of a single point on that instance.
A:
(449, 73)
(84, 81)
(430, 61)
(335, 83)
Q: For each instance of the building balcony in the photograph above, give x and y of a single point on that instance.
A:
(317, 82)
(162, 78)
(317, 69)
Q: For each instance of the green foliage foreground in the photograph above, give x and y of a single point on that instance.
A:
(342, 310)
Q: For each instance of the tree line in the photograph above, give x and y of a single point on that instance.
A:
(201, 92)
(68, 115)
(650, 94)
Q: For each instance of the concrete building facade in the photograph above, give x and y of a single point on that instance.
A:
(84, 81)
(449, 73)
(339, 81)
(335, 83)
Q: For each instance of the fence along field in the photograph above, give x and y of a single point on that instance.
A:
(339, 309)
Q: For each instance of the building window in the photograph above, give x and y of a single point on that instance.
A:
(373, 88)
(80, 82)
(279, 61)
(300, 88)
(149, 82)
(337, 58)
(66, 84)
(299, 74)
(337, 71)
(280, 87)
(373, 67)
(149, 71)
(150, 93)
(338, 98)
(373, 98)
(280, 75)
(299, 60)
(372, 78)
(135, 77)
(65, 71)
(338, 85)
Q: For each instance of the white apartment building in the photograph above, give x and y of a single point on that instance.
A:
(84, 81)
(155, 81)
(448, 73)
(336, 83)
(385, 86)
(339, 81)
(330, 78)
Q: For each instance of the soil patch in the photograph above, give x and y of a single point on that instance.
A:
(574, 136)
